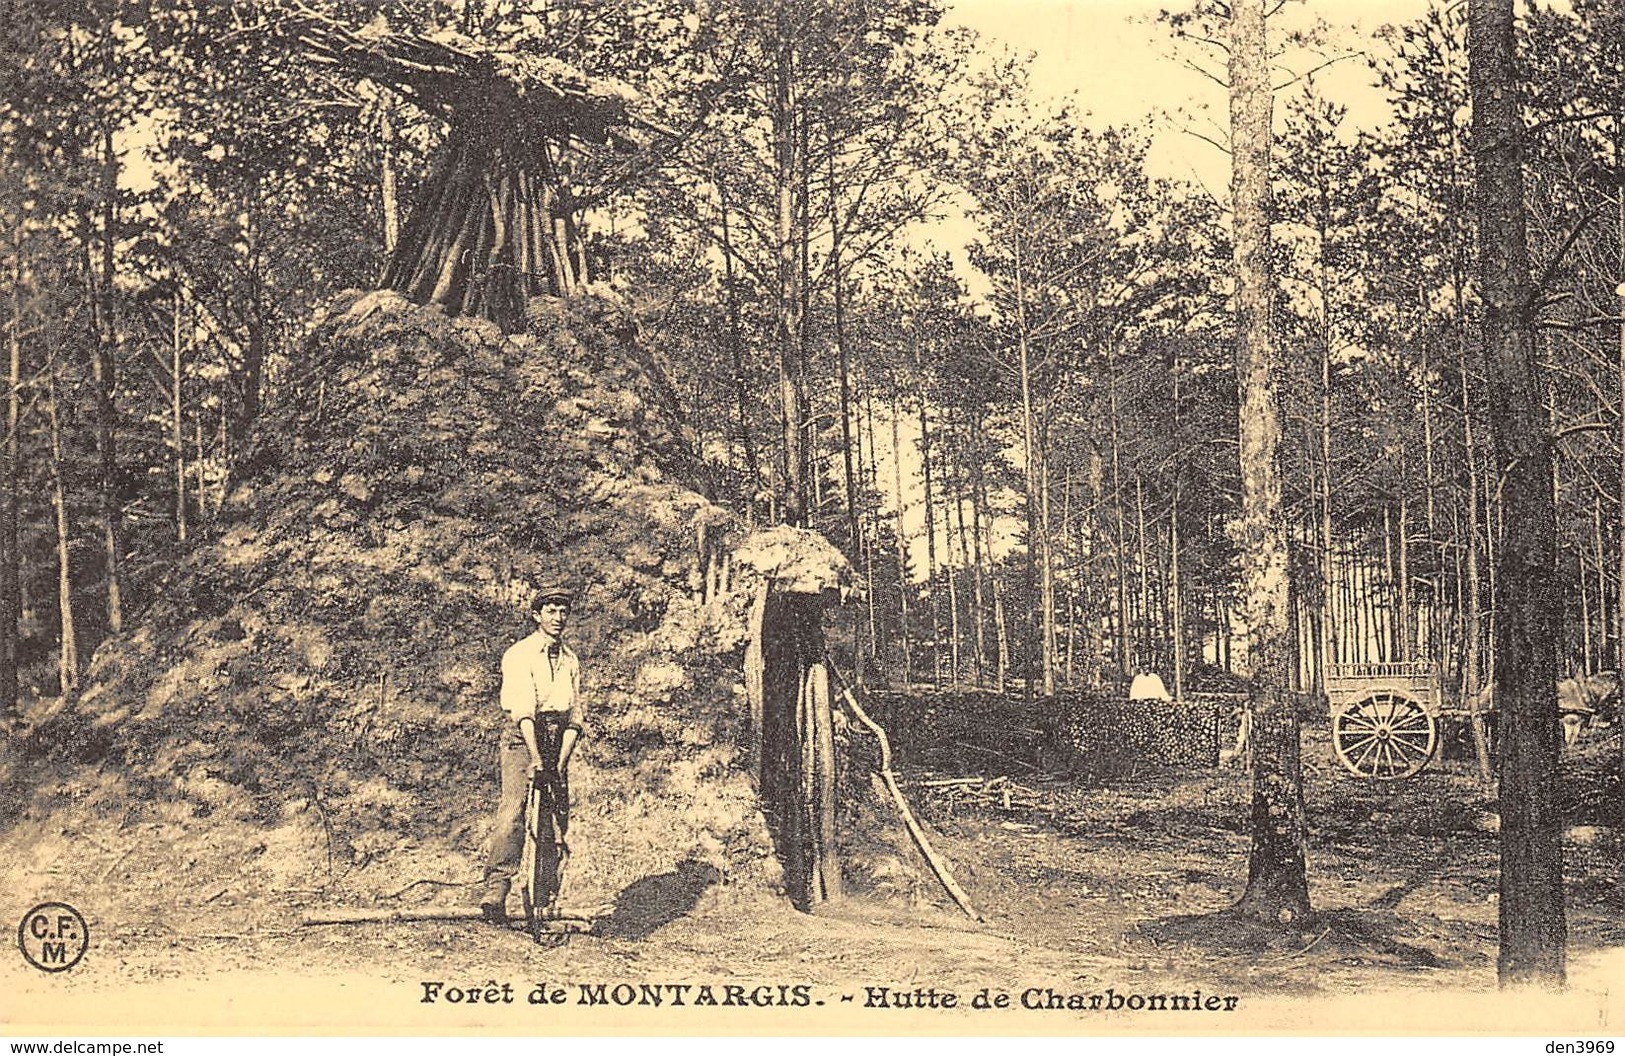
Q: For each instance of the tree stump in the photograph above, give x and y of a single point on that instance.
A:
(792, 721)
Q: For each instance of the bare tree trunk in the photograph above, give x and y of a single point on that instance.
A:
(843, 361)
(1434, 647)
(1003, 633)
(1046, 567)
(177, 422)
(1404, 625)
(793, 409)
(1143, 575)
(1532, 926)
(1029, 461)
(10, 465)
(1619, 590)
(736, 351)
(388, 192)
(68, 647)
(1329, 623)
(984, 562)
(871, 532)
(1125, 661)
(1472, 629)
(258, 322)
(902, 539)
(1178, 598)
(930, 542)
(197, 456)
(104, 369)
(1599, 552)
(967, 568)
(1277, 883)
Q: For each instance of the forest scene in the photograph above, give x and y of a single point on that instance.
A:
(999, 562)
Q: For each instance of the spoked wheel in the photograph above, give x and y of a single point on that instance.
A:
(1385, 737)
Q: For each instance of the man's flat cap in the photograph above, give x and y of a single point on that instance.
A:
(553, 590)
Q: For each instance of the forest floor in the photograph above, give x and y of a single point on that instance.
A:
(1107, 890)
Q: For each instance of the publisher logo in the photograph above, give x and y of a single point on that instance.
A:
(53, 936)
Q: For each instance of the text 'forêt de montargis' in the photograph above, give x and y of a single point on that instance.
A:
(803, 995)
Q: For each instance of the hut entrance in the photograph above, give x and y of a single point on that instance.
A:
(792, 724)
(795, 770)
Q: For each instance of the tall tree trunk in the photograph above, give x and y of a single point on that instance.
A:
(1177, 596)
(1001, 629)
(1046, 566)
(68, 642)
(930, 542)
(793, 409)
(1619, 592)
(967, 568)
(177, 421)
(1327, 646)
(1472, 617)
(104, 370)
(10, 479)
(953, 602)
(258, 322)
(1029, 462)
(902, 539)
(1599, 551)
(197, 460)
(388, 191)
(869, 466)
(983, 562)
(1125, 660)
(1433, 648)
(1277, 881)
(1532, 925)
(1404, 625)
(843, 358)
(1143, 575)
(736, 352)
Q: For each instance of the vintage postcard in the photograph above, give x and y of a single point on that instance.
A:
(948, 517)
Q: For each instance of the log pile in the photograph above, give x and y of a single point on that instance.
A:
(1078, 732)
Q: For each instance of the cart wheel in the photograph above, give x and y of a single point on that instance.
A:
(1386, 736)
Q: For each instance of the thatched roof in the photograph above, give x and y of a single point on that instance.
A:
(444, 70)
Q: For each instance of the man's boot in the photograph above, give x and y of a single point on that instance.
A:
(494, 899)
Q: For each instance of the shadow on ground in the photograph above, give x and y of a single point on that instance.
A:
(651, 903)
(1346, 935)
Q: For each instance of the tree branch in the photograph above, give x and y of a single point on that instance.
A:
(1557, 258)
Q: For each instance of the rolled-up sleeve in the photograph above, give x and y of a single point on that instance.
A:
(574, 718)
(518, 697)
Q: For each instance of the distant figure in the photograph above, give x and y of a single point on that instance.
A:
(1581, 698)
(1241, 754)
(541, 692)
(1148, 687)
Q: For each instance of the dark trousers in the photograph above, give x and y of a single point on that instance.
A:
(508, 834)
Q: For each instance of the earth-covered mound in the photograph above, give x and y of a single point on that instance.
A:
(321, 679)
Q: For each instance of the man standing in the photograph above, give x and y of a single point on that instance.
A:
(541, 693)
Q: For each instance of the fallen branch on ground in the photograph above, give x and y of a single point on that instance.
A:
(938, 866)
(417, 883)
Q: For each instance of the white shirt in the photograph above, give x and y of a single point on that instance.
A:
(541, 676)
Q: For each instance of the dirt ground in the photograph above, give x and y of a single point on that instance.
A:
(1092, 890)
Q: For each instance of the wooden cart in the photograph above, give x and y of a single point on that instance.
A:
(1385, 717)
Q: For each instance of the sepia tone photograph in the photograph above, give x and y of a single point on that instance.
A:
(813, 517)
